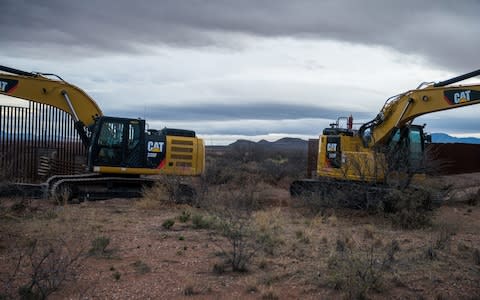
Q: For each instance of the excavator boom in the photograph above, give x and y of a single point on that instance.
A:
(403, 109)
(58, 93)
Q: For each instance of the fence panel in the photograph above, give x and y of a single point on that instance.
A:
(38, 141)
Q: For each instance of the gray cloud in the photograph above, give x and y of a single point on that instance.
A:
(237, 119)
(444, 32)
(226, 112)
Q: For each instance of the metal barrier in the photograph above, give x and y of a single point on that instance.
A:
(38, 141)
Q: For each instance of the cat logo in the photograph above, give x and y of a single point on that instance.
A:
(461, 97)
(331, 147)
(155, 146)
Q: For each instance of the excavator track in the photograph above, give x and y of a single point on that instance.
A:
(91, 186)
(97, 187)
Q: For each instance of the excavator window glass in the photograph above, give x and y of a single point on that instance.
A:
(135, 154)
(111, 134)
(110, 143)
(406, 146)
(415, 146)
(133, 135)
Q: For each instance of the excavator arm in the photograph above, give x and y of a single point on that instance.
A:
(401, 110)
(39, 88)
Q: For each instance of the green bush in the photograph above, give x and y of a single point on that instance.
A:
(185, 216)
(99, 245)
(201, 222)
(410, 208)
(359, 271)
(167, 224)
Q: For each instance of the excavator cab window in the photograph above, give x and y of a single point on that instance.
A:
(110, 141)
(406, 147)
(119, 142)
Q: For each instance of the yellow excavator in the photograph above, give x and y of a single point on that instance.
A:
(120, 150)
(387, 148)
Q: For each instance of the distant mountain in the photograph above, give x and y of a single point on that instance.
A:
(285, 143)
(281, 144)
(242, 143)
(447, 139)
(296, 144)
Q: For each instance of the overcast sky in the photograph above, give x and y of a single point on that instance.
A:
(247, 69)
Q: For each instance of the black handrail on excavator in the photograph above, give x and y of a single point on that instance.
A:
(16, 71)
(457, 79)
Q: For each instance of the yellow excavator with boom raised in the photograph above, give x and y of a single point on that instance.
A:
(120, 150)
(387, 148)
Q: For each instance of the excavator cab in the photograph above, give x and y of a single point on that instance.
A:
(118, 142)
(406, 147)
(124, 146)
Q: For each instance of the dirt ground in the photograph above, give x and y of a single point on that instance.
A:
(143, 259)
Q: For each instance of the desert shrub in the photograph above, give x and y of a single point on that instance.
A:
(443, 237)
(473, 199)
(141, 267)
(167, 224)
(270, 295)
(358, 271)
(282, 164)
(274, 169)
(168, 189)
(242, 161)
(17, 207)
(202, 222)
(219, 171)
(431, 252)
(42, 267)
(189, 291)
(302, 236)
(99, 246)
(219, 268)
(116, 275)
(410, 208)
(242, 241)
(235, 220)
(270, 226)
(185, 216)
(153, 197)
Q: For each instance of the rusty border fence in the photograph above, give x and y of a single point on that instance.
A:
(38, 141)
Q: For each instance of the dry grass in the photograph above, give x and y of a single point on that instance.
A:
(155, 197)
(308, 255)
(293, 254)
